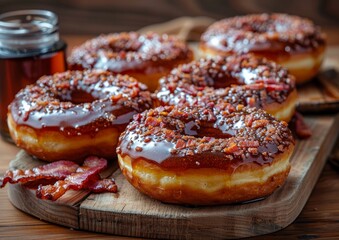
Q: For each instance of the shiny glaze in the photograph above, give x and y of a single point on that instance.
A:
(76, 103)
(264, 34)
(189, 137)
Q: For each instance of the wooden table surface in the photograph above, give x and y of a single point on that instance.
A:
(319, 218)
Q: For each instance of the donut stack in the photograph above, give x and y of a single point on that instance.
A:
(213, 132)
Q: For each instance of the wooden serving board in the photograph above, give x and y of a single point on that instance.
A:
(130, 213)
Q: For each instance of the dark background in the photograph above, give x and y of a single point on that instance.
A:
(92, 17)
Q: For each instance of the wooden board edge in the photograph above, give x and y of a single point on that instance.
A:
(319, 162)
(25, 200)
(294, 203)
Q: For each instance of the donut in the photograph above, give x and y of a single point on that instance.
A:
(205, 156)
(75, 114)
(291, 41)
(244, 79)
(145, 57)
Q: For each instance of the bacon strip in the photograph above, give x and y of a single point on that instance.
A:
(55, 170)
(103, 185)
(300, 127)
(88, 172)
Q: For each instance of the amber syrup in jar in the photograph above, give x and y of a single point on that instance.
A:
(29, 48)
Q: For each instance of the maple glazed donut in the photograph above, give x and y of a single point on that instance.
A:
(291, 41)
(203, 156)
(244, 79)
(145, 57)
(75, 114)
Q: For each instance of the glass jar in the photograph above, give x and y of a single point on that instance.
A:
(30, 47)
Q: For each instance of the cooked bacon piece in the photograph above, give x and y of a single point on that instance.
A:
(103, 185)
(300, 127)
(85, 174)
(55, 170)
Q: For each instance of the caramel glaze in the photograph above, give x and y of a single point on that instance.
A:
(271, 35)
(128, 53)
(76, 102)
(243, 79)
(187, 137)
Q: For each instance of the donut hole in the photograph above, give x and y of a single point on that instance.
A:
(205, 130)
(245, 77)
(219, 74)
(224, 82)
(124, 45)
(80, 96)
(77, 96)
(262, 27)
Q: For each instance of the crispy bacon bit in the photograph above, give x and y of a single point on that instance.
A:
(232, 148)
(152, 121)
(88, 172)
(300, 127)
(103, 185)
(249, 120)
(56, 170)
(189, 89)
(260, 123)
(180, 144)
(255, 86)
(277, 87)
(247, 144)
(253, 151)
(116, 97)
(250, 102)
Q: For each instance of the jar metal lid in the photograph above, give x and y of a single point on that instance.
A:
(28, 29)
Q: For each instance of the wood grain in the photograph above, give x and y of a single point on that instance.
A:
(131, 213)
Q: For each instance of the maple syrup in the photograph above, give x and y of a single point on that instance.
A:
(30, 47)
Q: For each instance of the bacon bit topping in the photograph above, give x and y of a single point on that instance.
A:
(55, 170)
(276, 87)
(249, 120)
(259, 123)
(151, 121)
(245, 144)
(180, 144)
(232, 148)
(251, 102)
